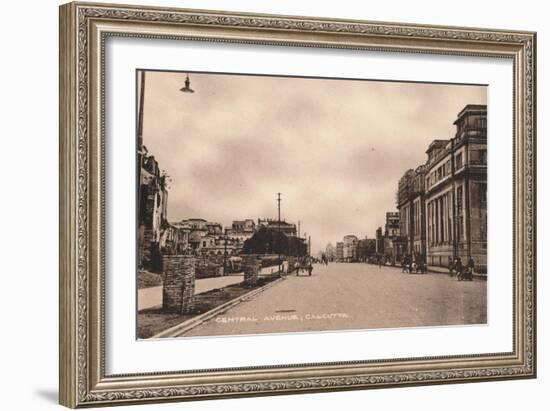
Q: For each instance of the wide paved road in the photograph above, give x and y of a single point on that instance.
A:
(354, 296)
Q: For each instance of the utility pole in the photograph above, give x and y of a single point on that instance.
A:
(279, 229)
(225, 253)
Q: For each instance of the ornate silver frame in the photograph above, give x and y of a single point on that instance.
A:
(83, 30)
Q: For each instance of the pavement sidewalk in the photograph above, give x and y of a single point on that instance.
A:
(445, 270)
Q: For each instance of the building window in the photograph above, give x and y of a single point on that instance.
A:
(459, 230)
(441, 220)
(449, 216)
(481, 122)
(459, 160)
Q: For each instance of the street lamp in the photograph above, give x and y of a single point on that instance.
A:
(225, 253)
(187, 88)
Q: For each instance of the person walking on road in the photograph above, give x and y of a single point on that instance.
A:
(297, 268)
(459, 268)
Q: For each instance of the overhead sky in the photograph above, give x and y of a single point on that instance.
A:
(334, 149)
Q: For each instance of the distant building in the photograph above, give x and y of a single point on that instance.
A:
(206, 237)
(175, 238)
(412, 210)
(287, 228)
(389, 242)
(240, 231)
(392, 224)
(379, 241)
(339, 251)
(214, 229)
(198, 232)
(350, 248)
(243, 226)
(330, 252)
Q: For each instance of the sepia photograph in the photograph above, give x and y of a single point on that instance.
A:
(284, 204)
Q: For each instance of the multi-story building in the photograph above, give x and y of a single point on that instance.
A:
(198, 232)
(350, 248)
(175, 238)
(389, 243)
(339, 251)
(206, 237)
(412, 210)
(240, 231)
(214, 229)
(330, 252)
(379, 241)
(287, 228)
(244, 226)
(456, 192)
(152, 211)
(392, 224)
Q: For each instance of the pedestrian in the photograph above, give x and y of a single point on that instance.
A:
(310, 268)
(459, 268)
(297, 268)
(451, 266)
(471, 266)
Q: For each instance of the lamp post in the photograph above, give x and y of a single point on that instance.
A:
(225, 253)
(187, 88)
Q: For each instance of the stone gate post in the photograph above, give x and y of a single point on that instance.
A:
(251, 266)
(178, 288)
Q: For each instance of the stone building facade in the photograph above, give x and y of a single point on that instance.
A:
(443, 203)
(456, 192)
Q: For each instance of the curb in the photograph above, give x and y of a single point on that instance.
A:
(178, 330)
